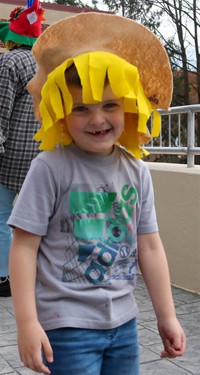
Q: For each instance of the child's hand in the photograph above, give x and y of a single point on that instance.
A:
(173, 338)
(32, 341)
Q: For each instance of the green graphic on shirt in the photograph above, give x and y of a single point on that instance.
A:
(87, 229)
(91, 202)
(102, 225)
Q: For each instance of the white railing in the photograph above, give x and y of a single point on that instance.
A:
(178, 133)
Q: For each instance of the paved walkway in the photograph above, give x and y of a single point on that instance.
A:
(188, 311)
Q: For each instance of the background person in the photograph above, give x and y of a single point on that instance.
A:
(17, 119)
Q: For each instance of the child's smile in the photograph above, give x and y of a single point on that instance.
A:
(99, 133)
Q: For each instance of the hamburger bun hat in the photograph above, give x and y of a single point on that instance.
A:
(134, 59)
(24, 26)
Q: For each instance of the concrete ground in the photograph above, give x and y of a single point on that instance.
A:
(188, 311)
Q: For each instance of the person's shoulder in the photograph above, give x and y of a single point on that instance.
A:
(55, 156)
(137, 167)
(131, 158)
(7, 61)
(15, 58)
(21, 54)
(53, 161)
(4, 57)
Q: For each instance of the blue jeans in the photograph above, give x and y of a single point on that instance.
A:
(95, 352)
(6, 204)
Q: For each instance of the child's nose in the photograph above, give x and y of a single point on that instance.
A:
(97, 118)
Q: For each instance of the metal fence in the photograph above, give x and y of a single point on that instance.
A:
(178, 133)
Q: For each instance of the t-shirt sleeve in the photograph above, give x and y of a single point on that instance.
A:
(147, 222)
(35, 202)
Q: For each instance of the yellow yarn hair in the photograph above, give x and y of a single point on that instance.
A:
(92, 69)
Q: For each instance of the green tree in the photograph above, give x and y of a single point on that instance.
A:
(183, 46)
(76, 3)
(138, 10)
(184, 51)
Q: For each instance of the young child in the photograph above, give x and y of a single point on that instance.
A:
(85, 217)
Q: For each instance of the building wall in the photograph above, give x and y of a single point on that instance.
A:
(177, 199)
(53, 12)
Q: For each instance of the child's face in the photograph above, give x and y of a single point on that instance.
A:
(96, 127)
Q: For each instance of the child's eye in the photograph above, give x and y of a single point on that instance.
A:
(111, 105)
(79, 109)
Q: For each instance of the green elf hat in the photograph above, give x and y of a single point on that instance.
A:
(24, 26)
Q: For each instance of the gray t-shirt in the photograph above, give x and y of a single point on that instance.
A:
(88, 210)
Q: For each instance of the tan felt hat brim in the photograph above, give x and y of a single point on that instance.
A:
(126, 38)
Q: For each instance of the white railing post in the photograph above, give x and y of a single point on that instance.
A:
(190, 150)
(191, 138)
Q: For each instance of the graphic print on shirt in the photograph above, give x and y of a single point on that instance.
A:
(101, 235)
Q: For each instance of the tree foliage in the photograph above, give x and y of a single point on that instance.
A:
(139, 10)
(184, 52)
(142, 11)
(77, 3)
(183, 46)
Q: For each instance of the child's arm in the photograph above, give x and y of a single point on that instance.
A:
(31, 336)
(154, 268)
